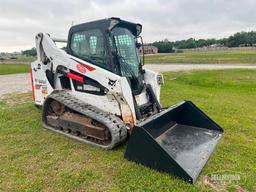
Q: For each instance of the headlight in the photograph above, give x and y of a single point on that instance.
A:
(160, 79)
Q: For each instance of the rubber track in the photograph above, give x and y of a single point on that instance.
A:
(115, 125)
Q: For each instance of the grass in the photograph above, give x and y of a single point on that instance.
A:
(34, 159)
(13, 68)
(207, 57)
(20, 59)
(214, 57)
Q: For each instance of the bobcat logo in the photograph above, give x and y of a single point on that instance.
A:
(112, 82)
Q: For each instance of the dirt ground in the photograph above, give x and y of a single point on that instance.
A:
(19, 83)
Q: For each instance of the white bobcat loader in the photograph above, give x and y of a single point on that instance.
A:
(97, 91)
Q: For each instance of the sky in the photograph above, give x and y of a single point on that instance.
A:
(21, 20)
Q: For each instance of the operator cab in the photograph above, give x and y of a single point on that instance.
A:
(111, 44)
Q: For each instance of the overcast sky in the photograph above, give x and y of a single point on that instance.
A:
(20, 20)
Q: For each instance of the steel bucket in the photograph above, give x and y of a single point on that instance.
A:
(178, 140)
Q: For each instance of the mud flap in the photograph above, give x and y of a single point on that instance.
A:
(178, 140)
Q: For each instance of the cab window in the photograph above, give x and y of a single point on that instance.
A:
(90, 46)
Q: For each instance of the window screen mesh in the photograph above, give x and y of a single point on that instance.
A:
(90, 46)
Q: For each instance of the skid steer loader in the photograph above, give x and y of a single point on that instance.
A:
(97, 91)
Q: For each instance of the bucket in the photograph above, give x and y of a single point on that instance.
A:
(178, 140)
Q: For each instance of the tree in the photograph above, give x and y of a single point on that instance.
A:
(29, 52)
(236, 40)
(164, 46)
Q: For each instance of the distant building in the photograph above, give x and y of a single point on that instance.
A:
(215, 45)
(149, 49)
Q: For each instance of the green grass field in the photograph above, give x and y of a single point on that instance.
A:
(214, 57)
(13, 68)
(35, 159)
(20, 59)
(210, 57)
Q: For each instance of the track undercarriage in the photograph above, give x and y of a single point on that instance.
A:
(69, 116)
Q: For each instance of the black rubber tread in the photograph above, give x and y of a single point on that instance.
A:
(115, 125)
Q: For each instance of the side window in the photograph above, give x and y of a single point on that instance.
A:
(123, 43)
(126, 47)
(76, 43)
(90, 46)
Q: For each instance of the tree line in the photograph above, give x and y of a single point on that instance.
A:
(166, 46)
(29, 52)
(236, 40)
(32, 52)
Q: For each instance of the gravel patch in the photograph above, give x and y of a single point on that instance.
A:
(19, 83)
